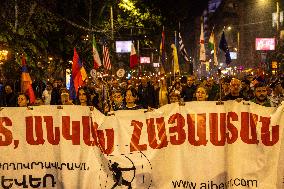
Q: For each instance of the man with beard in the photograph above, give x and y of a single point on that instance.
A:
(260, 95)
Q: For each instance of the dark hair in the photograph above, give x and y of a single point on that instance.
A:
(27, 97)
(59, 79)
(246, 81)
(87, 93)
(48, 83)
(260, 84)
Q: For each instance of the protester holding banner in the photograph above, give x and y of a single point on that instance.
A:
(246, 91)
(10, 98)
(83, 97)
(146, 94)
(235, 88)
(23, 100)
(188, 90)
(212, 89)
(163, 93)
(201, 94)
(55, 93)
(131, 98)
(65, 97)
(260, 93)
(117, 100)
(174, 97)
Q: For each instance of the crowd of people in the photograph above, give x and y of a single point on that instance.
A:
(153, 92)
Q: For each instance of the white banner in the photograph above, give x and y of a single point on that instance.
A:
(200, 145)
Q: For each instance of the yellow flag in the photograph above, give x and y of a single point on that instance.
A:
(175, 59)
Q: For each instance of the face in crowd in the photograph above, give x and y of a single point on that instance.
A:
(209, 82)
(82, 97)
(261, 93)
(225, 87)
(117, 97)
(235, 86)
(144, 81)
(8, 89)
(115, 83)
(64, 96)
(130, 97)
(48, 87)
(22, 100)
(174, 97)
(190, 80)
(57, 83)
(201, 94)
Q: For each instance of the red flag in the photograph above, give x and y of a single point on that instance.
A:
(26, 82)
(133, 57)
(79, 74)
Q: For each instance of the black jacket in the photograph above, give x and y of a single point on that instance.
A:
(146, 96)
(188, 93)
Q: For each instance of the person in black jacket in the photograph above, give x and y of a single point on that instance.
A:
(55, 93)
(235, 90)
(146, 94)
(188, 91)
(10, 98)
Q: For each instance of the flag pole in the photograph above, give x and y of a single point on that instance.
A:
(138, 56)
(173, 57)
(111, 23)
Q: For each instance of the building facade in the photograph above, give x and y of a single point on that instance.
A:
(243, 21)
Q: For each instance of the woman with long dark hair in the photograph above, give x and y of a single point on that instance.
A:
(84, 97)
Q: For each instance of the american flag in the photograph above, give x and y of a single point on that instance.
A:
(106, 60)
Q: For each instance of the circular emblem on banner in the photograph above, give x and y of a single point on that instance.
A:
(93, 73)
(128, 170)
(120, 72)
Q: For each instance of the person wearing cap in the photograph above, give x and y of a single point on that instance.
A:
(260, 93)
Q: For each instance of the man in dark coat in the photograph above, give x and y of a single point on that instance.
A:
(146, 94)
(188, 90)
(10, 98)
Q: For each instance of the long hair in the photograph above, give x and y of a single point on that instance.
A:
(87, 93)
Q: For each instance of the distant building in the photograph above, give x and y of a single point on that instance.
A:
(243, 21)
